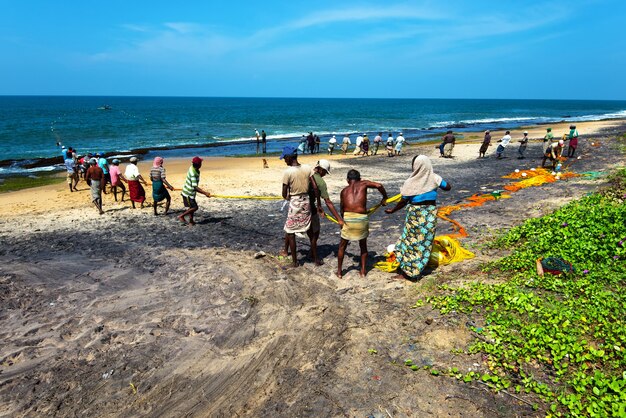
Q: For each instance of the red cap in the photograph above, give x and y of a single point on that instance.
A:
(196, 160)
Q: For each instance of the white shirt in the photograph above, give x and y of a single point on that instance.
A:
(332, 140)
(400, 139)
(132, 172)
(505, 140)
(378, 138)
(346, 140)
(359, 139)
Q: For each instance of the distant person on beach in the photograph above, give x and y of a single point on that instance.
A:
(72, 173)
(296, 191)
(485, 145)
(95, 179)
(302, 146)
(399, 144)
(419, 192)
(135, 189)
(357, 145)
(365, 145)
(355, 217)
(554, 153)
(104, 165)
(116, 179)
(389, 145)
(447, 145)
(503, 144)
(332, 142)
(547, 140)
(378, 140)
(345, 143)
(264, 141)
(310, 139)
(258, 140)
(318, 141)
(573, 141)
(522, 146)
(159, 184)
(319, 191)
(189, 191)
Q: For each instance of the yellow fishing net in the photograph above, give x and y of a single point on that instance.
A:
(446, 250)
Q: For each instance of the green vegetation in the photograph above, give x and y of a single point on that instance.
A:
(11, 184)
(561, 338)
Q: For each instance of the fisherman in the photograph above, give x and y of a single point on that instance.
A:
(573, 141)
(345, 143)
(332, 142)
(522, 146)
(95, 179)
(189, 191)
(486, 144)
(399, 143)
(296, 191)
(547, 140)
(503, 144)
(319, 191)
(554, 153)
(72, 173)
(355, 217)
(116, 179)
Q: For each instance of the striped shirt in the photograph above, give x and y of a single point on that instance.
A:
(191, 182)
(157, 174)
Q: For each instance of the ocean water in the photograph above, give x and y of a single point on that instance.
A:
(32, 126)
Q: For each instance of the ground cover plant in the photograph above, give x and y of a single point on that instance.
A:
(559, 338)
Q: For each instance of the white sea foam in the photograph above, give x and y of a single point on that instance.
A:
(21, 170)
(500, 120)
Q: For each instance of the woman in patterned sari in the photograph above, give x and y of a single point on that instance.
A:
(419, 194)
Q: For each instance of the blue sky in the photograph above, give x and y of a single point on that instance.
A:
(415, 49)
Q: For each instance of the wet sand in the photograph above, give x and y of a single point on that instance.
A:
(130, 314)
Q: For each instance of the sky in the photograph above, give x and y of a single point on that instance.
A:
(341, 49)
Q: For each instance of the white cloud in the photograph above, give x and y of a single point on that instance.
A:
(427, 30)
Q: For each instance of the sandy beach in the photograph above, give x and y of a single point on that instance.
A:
(130, 314)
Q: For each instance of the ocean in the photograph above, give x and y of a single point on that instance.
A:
(32, 127)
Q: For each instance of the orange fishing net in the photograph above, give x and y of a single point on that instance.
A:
(475, 200)
(535, 177)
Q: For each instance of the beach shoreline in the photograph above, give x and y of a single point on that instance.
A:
(177, 167)
(242, 148)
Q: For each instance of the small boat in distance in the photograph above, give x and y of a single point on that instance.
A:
(105, 107)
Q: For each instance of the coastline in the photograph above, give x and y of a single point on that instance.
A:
(177, 167)
(243, 147)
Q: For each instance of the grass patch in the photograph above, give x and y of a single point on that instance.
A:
(561, 338)
(12, 184)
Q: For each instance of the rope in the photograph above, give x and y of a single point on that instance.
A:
(221, 196)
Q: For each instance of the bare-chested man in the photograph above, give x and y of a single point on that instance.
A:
(354, 213)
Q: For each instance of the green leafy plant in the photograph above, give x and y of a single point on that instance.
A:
(561, 338)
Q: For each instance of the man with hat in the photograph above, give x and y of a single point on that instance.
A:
(296, 191)
(503, 144)
(95, 178)
(554, 153)
(320, 191)
(189, 190)
(116, 178)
